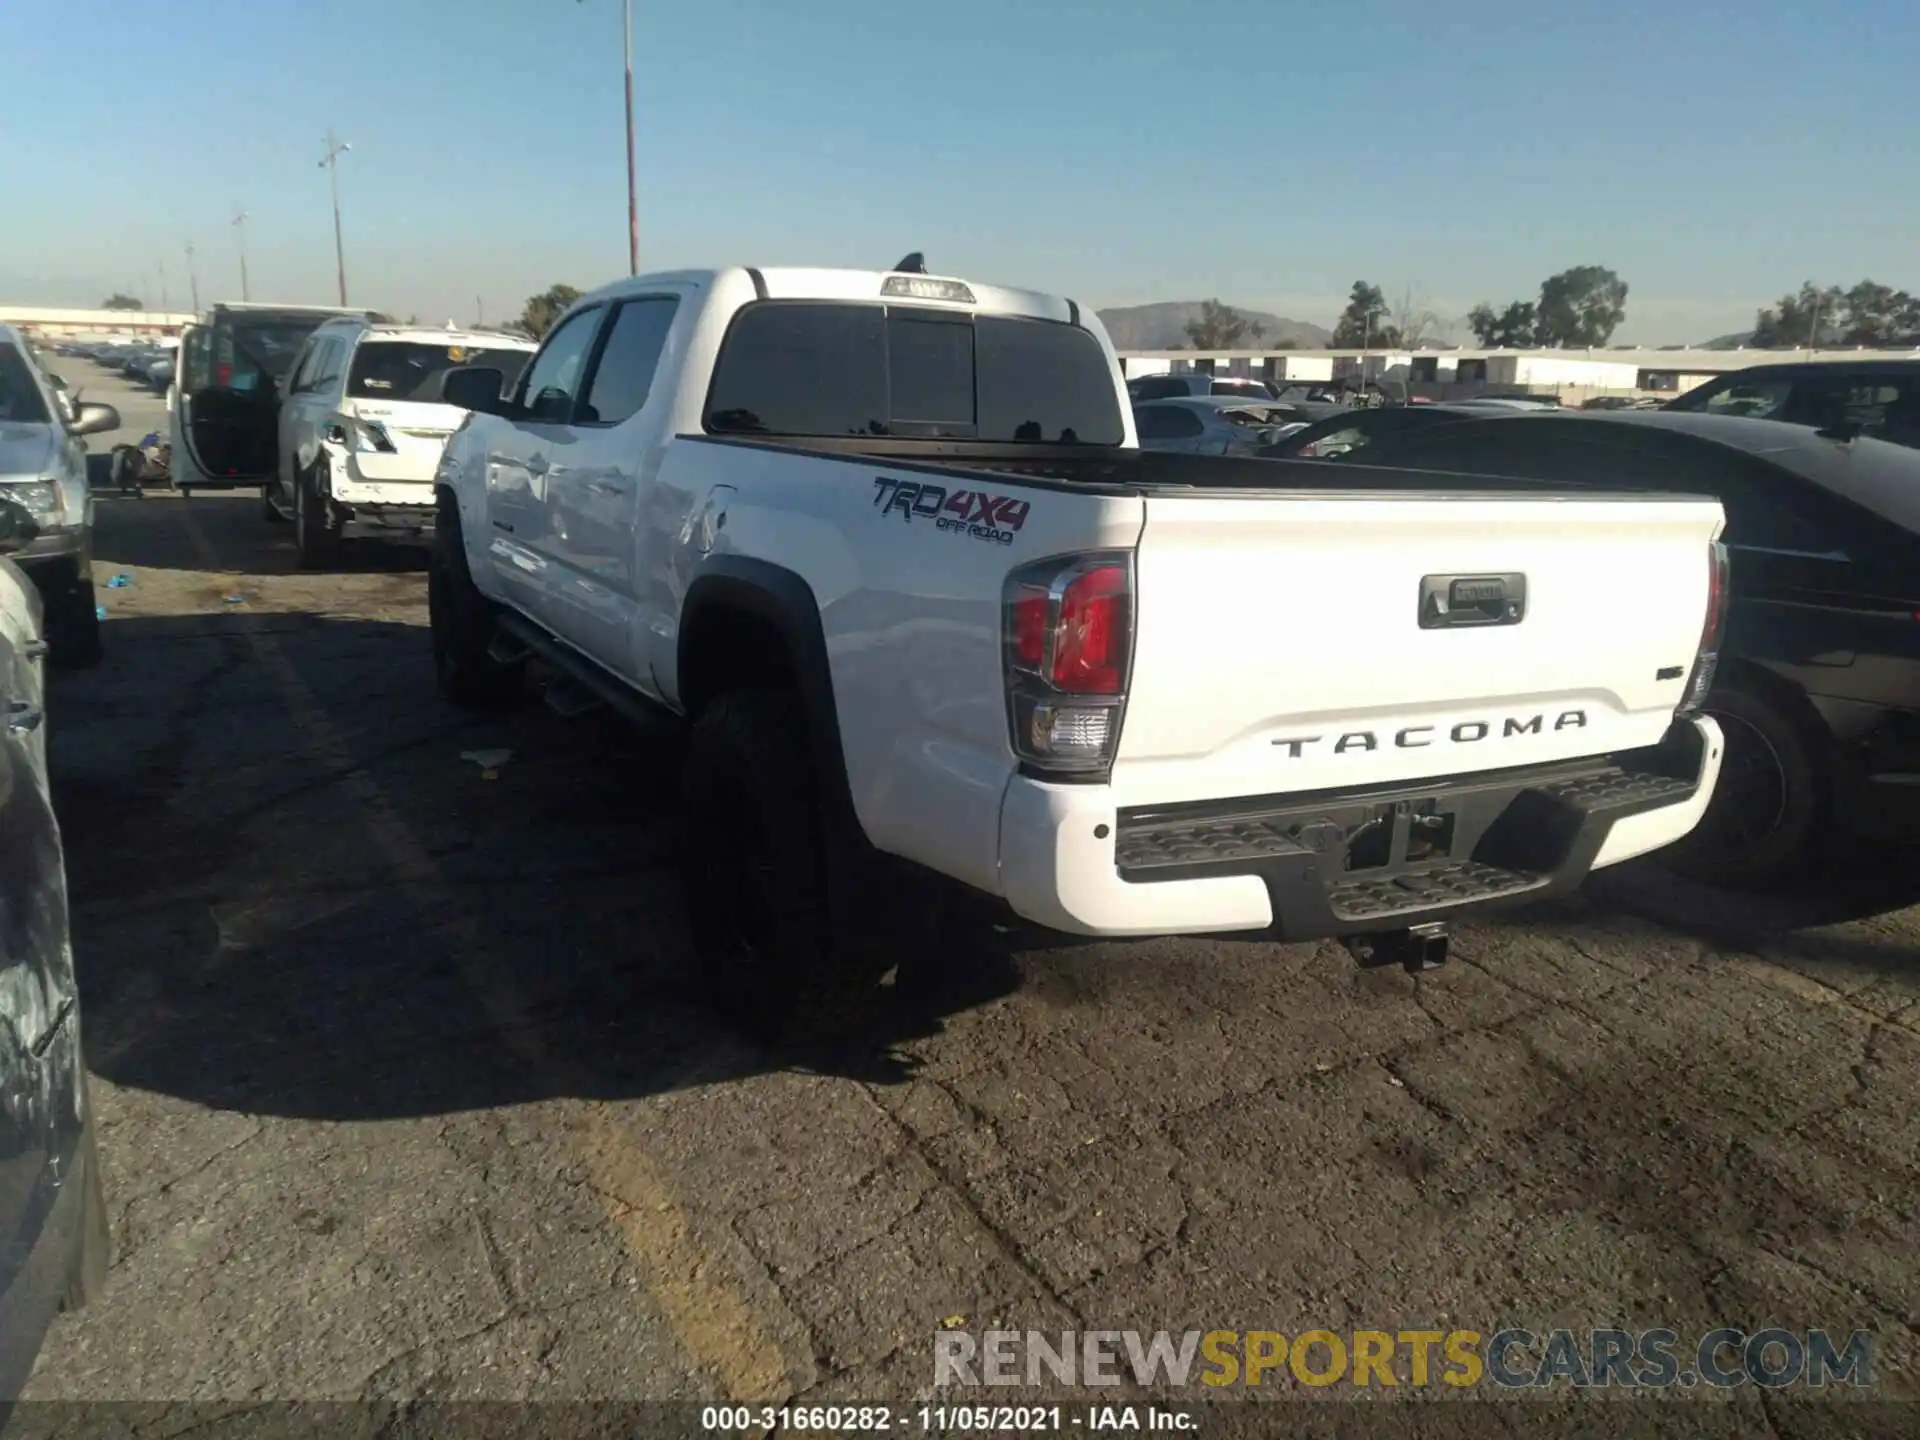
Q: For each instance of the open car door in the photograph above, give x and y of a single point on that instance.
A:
(231, 374)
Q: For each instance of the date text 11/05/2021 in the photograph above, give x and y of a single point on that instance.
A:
(944, 1419)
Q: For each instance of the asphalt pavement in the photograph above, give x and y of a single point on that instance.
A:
(403, 1093)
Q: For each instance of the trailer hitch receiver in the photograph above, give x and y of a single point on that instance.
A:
(1417, 948)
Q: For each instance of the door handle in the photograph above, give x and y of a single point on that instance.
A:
(24, 717)
(606, 487)
(34, 650)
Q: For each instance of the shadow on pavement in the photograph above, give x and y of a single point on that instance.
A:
(1851, 883)
(127, 534)
(293, 896)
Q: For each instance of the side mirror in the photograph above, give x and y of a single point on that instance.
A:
(91, 419)
(17, 526)
(476, 388)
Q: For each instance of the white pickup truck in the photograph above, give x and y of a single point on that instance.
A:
(886, 543)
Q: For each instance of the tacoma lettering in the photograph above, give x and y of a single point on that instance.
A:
(1415, 737)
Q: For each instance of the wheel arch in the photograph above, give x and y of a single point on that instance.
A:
(747, 621)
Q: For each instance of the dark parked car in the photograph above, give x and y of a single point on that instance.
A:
(52, 1212)
(1818, 691)
(1876, 398)
(1349, 429)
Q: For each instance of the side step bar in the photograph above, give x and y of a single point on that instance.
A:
(581, 684)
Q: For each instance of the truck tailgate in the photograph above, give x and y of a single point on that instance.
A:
(1296, 642)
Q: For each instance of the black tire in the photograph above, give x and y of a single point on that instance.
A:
(1772, 800)
(72, 620)
(315, 535)
(464, 625)
(269, 511)
(758, 865)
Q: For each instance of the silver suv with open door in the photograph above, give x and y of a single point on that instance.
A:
(228, 382)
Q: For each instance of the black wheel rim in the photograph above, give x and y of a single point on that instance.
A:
(1750, 800)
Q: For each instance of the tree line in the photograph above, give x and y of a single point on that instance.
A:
(1868, 313)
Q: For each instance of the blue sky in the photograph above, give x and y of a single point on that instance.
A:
(1713, 154)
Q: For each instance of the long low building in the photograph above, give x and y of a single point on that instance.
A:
(1447, 374)
(56, 323)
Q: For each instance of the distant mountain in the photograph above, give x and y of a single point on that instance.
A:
(1164, 326)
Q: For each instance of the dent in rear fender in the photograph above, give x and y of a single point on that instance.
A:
(909, 613)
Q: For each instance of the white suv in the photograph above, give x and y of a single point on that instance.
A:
(362, 426)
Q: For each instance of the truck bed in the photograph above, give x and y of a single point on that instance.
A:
(1140, 472)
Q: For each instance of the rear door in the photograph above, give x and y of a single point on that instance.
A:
(193, 369)
(593, 505)
(232, 392)
(300, 417)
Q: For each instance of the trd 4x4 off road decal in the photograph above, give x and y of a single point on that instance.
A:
(973, 513)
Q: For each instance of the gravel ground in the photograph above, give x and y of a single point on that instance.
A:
(402, 1096)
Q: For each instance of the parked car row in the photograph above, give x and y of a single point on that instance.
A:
(43, 477)
(52, 1209)
(336, 416)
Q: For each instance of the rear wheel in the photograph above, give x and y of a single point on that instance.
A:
(316, 535)
(1771, 801)
(464, 625)
(760, 863)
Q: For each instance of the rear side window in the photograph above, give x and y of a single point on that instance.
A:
(1166, 422)
(1250, 389)
(834, 369)
(1756, 399)
(624, 373)
(1157, 387)
(414, 370)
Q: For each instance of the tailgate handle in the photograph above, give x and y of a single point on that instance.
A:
(1449, 602)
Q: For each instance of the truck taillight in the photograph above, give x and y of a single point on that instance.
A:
(1706, 659)
(1068, 642)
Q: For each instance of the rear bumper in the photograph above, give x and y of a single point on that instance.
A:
(1346, 862)
(385, 522)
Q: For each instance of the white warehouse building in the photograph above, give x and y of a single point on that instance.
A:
(1574, 375)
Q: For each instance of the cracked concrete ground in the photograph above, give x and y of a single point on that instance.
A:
(401, 1093)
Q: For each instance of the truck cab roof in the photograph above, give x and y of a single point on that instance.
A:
(878, 286)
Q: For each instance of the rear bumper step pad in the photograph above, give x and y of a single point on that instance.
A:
(1343, 862)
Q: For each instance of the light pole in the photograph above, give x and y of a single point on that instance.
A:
(335, 149)
(166, 306)
(240, 239)
(193, 278)
(633, 194)
(633, 199)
